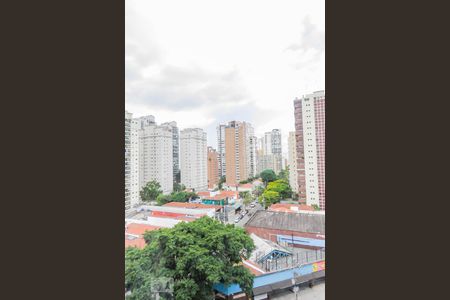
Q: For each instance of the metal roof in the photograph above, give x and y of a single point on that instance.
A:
(301, 222)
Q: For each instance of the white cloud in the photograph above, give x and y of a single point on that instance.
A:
(201, 62)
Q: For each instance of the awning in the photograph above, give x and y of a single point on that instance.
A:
(287, 283)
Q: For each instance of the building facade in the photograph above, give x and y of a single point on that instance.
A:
(309, 114)
(131, 162)
(269, 152)
(237, 152)
(175, 151)
(193, 159)
(221, 149)
(213, 168)
(155, 155)
(292, 162)
(128, 117)
(134, 163)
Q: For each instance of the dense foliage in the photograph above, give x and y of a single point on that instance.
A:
(284, 174)
(275, 191)
(280, 186)
(247, 198)
(195, 255)
(268, 176)
(249, 180)
(221, 182)
(175, 197)
(150, 191)
(178, 187)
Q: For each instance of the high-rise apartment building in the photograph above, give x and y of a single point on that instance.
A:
(131, 161)
(238, 149)
(292, 162)
(193, 158)
(134, 163)
(252, 155)
(155, 154)
(128, 118)
(176, 150)
(213, 168)
(270, 152)
(310, 139)
(275, 144)
(146, 120)
(221, 149)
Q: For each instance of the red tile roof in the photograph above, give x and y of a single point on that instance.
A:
(191, 205)
(139, 243)
(139, 229)
(229, 193)
(246, 185)
(283, 207)
(203, 193)
(182, 218)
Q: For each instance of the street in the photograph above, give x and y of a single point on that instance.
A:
(245, 219)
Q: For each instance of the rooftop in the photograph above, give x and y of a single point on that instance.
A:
(191, 205)
(284, 207)
(139, 229)
(301, 222)
(265, 249)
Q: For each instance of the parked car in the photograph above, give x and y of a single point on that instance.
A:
(237, 220)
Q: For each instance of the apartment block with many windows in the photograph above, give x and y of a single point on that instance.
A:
(156, 155)
(131, 162)
(213, 168)
(240, 152)
(292, 162)
(309, 114)
(193, 159)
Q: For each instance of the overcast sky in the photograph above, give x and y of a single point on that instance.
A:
(205, 62)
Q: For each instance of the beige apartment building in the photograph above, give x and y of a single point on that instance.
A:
(238, 152)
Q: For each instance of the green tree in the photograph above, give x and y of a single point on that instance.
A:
(284, 174)
(163, 199)
(282, 187)
(151, 191)
(247, 199)
(178, 187)
(268, 175)
(258, 191)
(315, 206)
(195, 255)
(221, 182)
(183, 196)
(269, 197)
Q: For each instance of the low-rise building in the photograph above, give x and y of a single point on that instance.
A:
(304, 229)
(293, 208)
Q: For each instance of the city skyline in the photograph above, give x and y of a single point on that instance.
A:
(200, 77)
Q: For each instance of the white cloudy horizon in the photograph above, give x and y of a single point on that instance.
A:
(204, 62)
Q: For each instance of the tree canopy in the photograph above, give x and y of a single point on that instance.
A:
(284, 174)
(282, 187)
(222, 180)
(269, 197)
(178, 187)
(195, 255)
(176, 197)
(151, 191)
(268, 175)
(247, 198)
